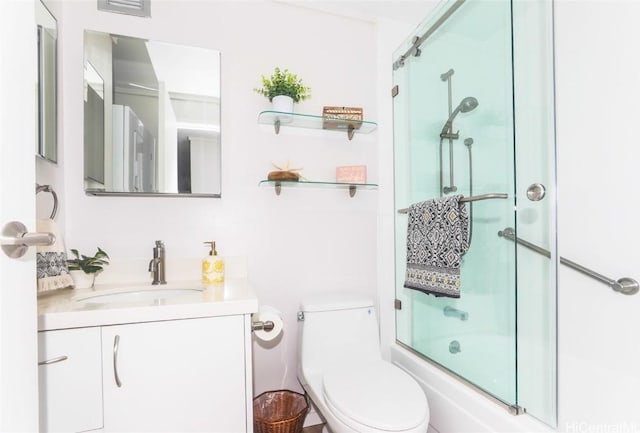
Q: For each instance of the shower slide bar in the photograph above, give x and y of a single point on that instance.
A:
(625, 285)
(470, 198)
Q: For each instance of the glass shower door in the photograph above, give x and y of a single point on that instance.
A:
(461, 113)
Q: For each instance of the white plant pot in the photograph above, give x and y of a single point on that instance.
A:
(82, 280)
(282, 103)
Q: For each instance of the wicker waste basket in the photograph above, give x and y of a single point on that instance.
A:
(279, 412)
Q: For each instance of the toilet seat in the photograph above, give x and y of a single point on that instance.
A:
(376, 396)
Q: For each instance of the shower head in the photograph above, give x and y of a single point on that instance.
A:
(468, 141)
(467, 104)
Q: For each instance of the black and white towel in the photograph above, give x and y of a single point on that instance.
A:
(437, 238)
(51, 260)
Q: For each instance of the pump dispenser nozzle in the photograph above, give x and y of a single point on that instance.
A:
(212, 246)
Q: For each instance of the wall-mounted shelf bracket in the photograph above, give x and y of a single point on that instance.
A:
(350, 132)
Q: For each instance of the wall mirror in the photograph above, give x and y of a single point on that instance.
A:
(47, 29)
(151, 118)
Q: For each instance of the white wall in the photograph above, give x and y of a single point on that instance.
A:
(302, 241)
(597, 70)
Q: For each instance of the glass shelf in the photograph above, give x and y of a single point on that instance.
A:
(310, 121)
(352, 187)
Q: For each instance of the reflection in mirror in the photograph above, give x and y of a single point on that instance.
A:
(151, 118)
(93, 126)
(47, 119)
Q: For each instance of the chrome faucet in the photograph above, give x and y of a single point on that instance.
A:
(157, 265)
(454, 312)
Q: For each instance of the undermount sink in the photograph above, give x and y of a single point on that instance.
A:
(138, 294)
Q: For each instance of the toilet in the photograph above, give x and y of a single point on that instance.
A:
(341, 369)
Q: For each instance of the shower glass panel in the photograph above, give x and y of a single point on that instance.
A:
(462, 109)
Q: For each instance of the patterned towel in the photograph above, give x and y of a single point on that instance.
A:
(437, 237)
(51, 260)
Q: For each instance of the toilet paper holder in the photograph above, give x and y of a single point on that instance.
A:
(266, 324)
(262, 326)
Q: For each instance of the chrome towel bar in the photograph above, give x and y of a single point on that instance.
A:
(625, 285)
(471, 198)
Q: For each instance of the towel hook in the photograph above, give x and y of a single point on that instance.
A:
(48, 188)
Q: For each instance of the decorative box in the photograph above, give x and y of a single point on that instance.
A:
(342, 117)
(351, 174)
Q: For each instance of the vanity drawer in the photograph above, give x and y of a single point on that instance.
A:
(70, 380)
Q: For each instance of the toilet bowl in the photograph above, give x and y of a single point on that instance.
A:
(341, 369)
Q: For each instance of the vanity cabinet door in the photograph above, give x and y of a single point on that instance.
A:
(70, 380)
(175, 376)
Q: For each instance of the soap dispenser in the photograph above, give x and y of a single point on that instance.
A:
(212, 266)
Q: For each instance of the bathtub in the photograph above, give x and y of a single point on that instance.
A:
(485, 360)
(457, 406)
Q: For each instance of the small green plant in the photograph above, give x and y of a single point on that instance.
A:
(283, 83)
(90, 265)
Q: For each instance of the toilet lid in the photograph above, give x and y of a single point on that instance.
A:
(376, 394)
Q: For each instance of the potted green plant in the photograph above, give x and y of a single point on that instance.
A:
(83, 269)
(283, 89)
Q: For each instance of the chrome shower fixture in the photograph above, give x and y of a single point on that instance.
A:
(446, 75)
(467, 104)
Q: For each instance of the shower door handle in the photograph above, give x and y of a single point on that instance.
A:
(536, 192)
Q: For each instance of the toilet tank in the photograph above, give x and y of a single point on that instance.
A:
(337, 329)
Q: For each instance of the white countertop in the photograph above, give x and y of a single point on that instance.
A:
(59, 309)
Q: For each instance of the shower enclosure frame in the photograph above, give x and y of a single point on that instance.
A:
(545, 48)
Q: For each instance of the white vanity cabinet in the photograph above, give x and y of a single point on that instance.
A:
(172, 364)
(187, 375)
(70, 376)
(176, 376)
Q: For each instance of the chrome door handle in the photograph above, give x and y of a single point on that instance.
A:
(15, 239)
(116, 346)
(536, 192)
(54, 360)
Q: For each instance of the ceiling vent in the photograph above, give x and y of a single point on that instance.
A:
(139, 8)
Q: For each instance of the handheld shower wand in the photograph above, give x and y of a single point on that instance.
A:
(467, 104)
